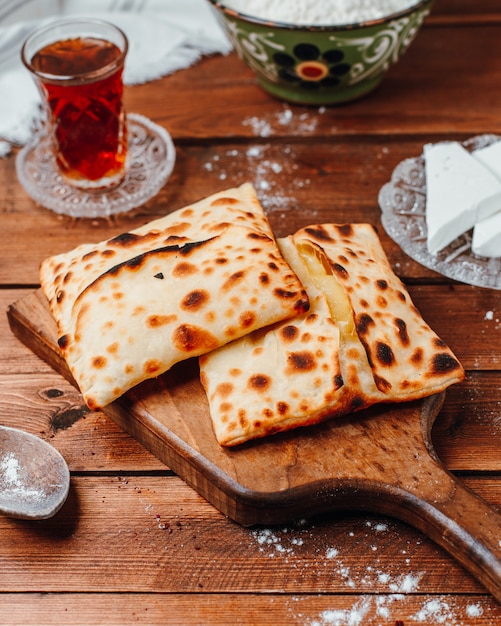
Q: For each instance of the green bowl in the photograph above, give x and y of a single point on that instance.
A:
(321, 65)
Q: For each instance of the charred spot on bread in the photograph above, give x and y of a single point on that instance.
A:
(124, 239)
(439, 343)
(152, 367)
(224, 389)
(90, 255)
(98, 362)
(157, 320)
(417, 356)
(402, 331)
(247, 319)
(224, 200)
(282, 408)
(259, 382)
(242, 418)
(340, 271)
(384, 354)
(195, 300)
(113, 347)
(346, 230)
(63, 342)
(258, 236)
(338, 381)
(318, 232)
(289, 332)
(357, 403)
(189, 338)
(444, 362)
(184, 269)
(364, 323)
(232, 280)
(303, 303)
(382, 384)
(301, 361)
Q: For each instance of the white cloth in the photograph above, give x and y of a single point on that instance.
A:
(164, 36)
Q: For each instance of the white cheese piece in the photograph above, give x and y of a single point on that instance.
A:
(490, 157)
(486, 240)
(460, 191)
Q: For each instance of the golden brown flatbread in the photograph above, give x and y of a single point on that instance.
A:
(362, 342)
(129, 308)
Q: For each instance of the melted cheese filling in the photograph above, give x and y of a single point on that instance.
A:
(321, 275)
(353, 357)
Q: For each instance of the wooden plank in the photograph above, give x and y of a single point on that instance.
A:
(247, 609)
(49, 407)
(470, 10)
(466, 434)
(153, 534)
(467, 8)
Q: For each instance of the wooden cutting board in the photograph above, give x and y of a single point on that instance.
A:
(380, 460)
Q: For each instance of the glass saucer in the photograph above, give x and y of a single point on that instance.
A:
(150, 161)
(403, 206)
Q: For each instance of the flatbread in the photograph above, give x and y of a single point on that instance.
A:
(362, 342)
(129, 308)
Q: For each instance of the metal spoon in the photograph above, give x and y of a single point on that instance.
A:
(34, 477)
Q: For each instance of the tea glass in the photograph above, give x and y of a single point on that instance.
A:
(77, 65)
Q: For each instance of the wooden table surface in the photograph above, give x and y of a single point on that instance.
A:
(134, 543)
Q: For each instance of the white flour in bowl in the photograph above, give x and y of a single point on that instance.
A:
(319, 12)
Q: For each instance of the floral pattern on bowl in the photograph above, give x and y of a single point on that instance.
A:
(321, 65)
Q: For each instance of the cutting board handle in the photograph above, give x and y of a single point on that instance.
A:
(435, 501)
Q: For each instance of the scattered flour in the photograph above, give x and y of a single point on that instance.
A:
(407, 584)
(274, 178)
(274, 542)
(302, 122)
(10, 469)
(489, 316)
(474, 610)
(273, 173)
(12, 480)
(319, 12)
(387, 603)
(436, 611)
(331, 553)
(349, 617)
